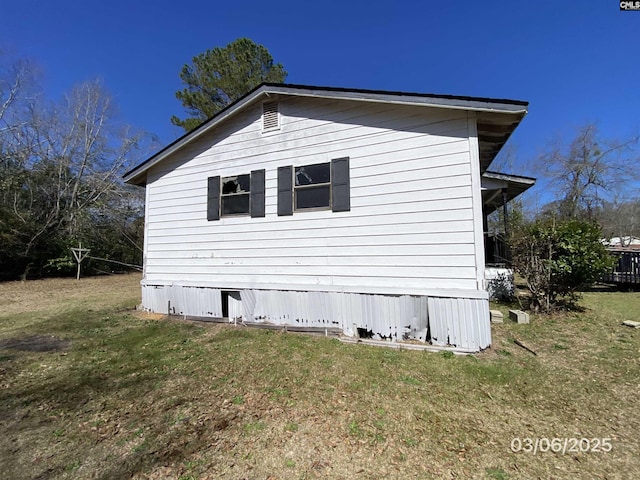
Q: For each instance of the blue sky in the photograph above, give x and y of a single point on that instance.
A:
(573, 61)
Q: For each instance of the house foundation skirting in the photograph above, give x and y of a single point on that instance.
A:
(461, 323)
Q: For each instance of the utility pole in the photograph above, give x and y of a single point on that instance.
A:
(80, 254)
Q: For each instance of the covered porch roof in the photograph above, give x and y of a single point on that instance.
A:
(500, 188)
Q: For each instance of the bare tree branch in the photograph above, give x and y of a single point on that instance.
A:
(588, 170)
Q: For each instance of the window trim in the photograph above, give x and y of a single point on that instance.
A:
(235, 194)
(296, 188)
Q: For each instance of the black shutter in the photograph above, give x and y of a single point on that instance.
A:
(257, 193)
(285, 190)
(340, 185)
(213, 198)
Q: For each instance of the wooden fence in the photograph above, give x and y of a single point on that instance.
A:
(627, 270)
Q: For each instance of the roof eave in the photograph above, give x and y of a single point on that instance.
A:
(137, 175)
(514, 186)
(479, 104)
(508, 177)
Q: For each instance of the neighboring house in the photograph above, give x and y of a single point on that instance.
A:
(617, 243)
(626, 250)
(334, 208)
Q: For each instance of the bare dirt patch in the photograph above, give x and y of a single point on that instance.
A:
(36, 343)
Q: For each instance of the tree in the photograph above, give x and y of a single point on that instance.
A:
(588, 171)
(620, 218)
(16, 82)
(218, 77)
(558, 258)
(60, 173)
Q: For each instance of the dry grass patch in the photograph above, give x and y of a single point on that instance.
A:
(139, 397)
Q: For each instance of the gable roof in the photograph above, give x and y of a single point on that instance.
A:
(496, 118)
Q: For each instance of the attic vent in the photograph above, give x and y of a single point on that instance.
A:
(270, 116)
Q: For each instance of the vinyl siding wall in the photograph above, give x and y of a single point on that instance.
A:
(410, 229)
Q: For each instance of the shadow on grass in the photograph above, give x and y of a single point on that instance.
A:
(36, 343)
(612, 287)
(112, 366)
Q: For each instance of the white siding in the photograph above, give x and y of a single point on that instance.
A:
(410, 230)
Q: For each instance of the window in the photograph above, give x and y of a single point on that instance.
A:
(312, 186)
(317, 186)
(236, 195)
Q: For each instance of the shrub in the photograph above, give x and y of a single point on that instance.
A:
(558, 258)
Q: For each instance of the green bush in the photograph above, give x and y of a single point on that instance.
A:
(559, 258)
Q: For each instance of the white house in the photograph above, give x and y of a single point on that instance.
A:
(334, 208)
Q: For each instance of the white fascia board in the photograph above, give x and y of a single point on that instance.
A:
(508, 177)
(492, 183)
(189, 137)
(427, 101)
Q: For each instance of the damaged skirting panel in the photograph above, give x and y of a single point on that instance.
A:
(456, 322)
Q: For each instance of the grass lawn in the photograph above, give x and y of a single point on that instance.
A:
(91, 389)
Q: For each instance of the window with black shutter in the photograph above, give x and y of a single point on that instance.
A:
(319, 186)
(236, 195)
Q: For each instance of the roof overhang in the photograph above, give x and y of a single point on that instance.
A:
(494, 129)
(501, 188)
(496, 118)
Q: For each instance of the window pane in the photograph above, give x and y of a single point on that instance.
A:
(313, 197)
(235, 204)
(237, 184)
(312, 174)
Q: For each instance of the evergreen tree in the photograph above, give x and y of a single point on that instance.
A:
(218, 77)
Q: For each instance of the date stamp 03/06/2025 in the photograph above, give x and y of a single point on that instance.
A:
(566, 445)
